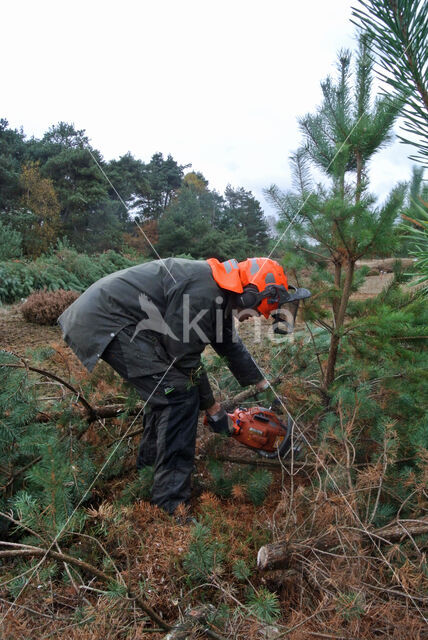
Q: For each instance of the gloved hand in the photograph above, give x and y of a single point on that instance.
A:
(262, 385)
(219, 422)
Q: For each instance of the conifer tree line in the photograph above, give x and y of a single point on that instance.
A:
(54, 188)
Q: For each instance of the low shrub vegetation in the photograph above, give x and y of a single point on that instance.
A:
(45, 307)
(64, 268)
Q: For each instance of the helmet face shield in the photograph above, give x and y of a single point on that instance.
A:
(285, 316)
(275, 297)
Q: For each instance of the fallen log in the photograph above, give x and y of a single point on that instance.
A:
(280, 555)
(395, 531)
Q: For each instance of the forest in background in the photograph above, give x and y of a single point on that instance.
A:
(60, 188)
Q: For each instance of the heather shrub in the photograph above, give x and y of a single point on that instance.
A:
(44, 307)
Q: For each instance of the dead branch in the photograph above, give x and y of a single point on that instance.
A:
(96, 412)
(234, 401)
(48, 374)
(281, 555)
(194, 620)
(197, 616)
(397, 530)
(88, 568)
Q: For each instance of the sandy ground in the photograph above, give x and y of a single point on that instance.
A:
(22, 337)
(372, 286)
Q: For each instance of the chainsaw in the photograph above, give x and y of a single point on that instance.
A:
(261, 429)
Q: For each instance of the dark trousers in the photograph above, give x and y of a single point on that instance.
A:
(170, 422)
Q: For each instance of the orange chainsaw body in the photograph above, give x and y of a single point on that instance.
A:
(258, 428)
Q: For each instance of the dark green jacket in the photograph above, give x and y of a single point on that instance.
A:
(180, 290)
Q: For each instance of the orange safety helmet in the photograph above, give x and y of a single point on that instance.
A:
(259, 280)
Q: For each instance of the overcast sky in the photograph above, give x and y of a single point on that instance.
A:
(219, 84)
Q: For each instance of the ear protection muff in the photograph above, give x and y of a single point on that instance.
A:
(250, 299)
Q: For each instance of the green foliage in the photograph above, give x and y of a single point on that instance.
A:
(116, 460)
(62, 269)
(339, 216)
(157, 186)
(10, 242)
(384, 514)
(210, 225)
(264, 605)
(257, 486)
(93, 199)
(12, 150)
(399, 35)
(140, 488)
(241, 570)
(116, 590)
(417, 235)
(205, 555)
(242, 213)
(256, 483)
(45, 477)
(43, 575)
(351, 605)
(222, 482)
(380, 392)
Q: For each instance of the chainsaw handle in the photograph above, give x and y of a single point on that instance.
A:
(220, 422)
(235, 428)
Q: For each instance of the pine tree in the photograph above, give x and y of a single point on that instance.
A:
(339, 215)
(46, 469)
(12, 150)
(398, 30)
(10, 242)
(243, 213)
(194, 223)
(160, 181)
(399, 33)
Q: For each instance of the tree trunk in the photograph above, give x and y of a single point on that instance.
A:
(340, 319)
(336, 302)
(280, 555)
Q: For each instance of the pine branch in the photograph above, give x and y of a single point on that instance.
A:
(314, 253)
